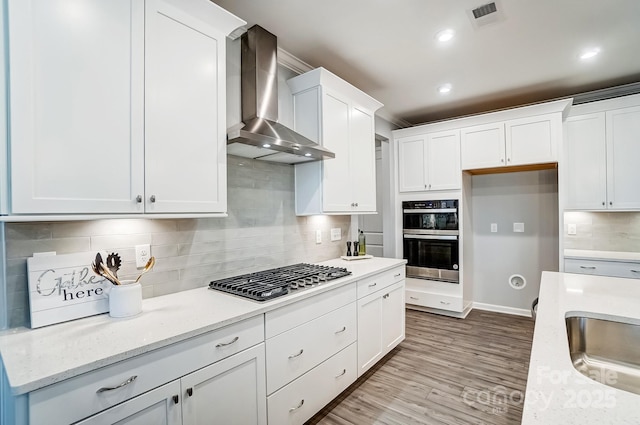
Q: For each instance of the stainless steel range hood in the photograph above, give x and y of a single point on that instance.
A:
(260, 136)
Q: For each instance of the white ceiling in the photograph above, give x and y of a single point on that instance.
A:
(388, 49)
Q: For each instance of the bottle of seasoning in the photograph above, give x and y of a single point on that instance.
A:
(362, 244)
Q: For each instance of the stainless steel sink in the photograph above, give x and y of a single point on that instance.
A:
(606, 351)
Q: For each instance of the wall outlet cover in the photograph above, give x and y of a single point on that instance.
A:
(336, 234)
(494, 227)
(571, 229)
(143, 253)
(318, 236)
(518, 227)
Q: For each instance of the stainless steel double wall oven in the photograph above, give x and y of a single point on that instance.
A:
(431, 239)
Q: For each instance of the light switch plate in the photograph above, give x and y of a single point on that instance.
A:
(336, 234)
(518, 227)
(318, 236)
(494, 227)
(571, 229)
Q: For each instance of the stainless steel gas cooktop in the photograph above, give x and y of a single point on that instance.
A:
(272, 283)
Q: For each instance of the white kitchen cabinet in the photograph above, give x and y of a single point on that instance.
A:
(118, 106)
(429, 162)
(231, 391)
(601, 151)
(601, 267)
(160, 406)
(381, 324)
(522, 141)
(341, 118)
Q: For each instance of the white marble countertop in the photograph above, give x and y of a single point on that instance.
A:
(34, 358)
(556, 392)
(602, 255)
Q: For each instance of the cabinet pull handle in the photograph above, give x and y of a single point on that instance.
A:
(293, 356)
(176, 399)
(293, 409)
(445, 303)
(414, 298)
(189, 392)
(501, 159)
(139, 199)
(152, 198)
(125, 383)
(344, 328)
(610, 202)
(635, 271)
(373, 284)
(508, 159)
(224, 344)
(588, 267)
(343, 372)
(397, 275)
(385, 296)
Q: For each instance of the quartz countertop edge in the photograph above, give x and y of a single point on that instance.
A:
(35, 358)
(587, 254)
(556, 392)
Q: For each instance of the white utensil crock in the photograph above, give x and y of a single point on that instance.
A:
(125, 300)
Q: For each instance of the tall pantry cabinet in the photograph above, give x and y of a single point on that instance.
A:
(117, 106)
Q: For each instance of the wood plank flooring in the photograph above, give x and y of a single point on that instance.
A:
(447, 371)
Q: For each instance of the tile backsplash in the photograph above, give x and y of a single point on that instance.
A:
(603, 231)
(261, 231)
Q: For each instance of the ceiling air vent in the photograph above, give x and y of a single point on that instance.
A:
(486, 14)
(484, 10)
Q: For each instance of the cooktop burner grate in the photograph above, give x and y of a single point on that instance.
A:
(272, 283)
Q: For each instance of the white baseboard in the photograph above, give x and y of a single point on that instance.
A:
(502, 309)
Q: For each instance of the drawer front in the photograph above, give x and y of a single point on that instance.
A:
(139, 374)
(305, 396)
(603, 268)
(371, 284)
(295, 352)
(442, 302)
(290, 316)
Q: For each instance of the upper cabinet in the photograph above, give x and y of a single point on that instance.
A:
(338, 116)
(429, 162)
(601, 150)
(117, 106)
(522, 141)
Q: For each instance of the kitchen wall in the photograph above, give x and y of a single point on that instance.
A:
(524, 197)
(262, 231)
(603, 231)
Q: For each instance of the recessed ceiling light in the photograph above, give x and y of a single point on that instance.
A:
(589, 53)
(445, 35)
(444, 89)
(266, 145)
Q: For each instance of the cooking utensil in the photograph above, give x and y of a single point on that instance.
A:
(147, 267)
(109, 275)
(99, 270)
(113, 263)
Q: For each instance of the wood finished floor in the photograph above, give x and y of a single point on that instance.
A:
(447, 371)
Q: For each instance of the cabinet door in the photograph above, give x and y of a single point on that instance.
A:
(585, 161)
(411, 164)
(336, 191)
(623, 154)
(231, 391)
(160, 406)
(393, 316)
(370, 346)
(443, 165)
(76, 83)
(185, 112)
(362, 160)
(482, 146)
(532, 140)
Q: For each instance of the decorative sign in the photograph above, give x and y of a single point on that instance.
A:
(64, 287)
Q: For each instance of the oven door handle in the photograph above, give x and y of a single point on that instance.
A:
(430, 211)
(432, 237)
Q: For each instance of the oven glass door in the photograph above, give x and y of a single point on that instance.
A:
(432, 256)
(425, 220)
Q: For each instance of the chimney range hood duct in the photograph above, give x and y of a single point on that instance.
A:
(260, 136)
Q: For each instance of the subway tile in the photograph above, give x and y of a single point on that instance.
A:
(26, 248)
(116, 242)
(28, 231)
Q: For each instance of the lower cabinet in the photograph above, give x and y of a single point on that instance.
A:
(626, 269)
(380, 324)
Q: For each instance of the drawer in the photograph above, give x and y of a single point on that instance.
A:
(150, 370)
(290, 316)
(305, 396)
(626, 269)
(371, 284)
(442, 302)
(296, 351)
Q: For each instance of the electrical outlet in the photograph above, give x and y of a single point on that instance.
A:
(143, 253)
(318, 236)
(494, 227)
(571, 229)
(336, 234)
(518, 227)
